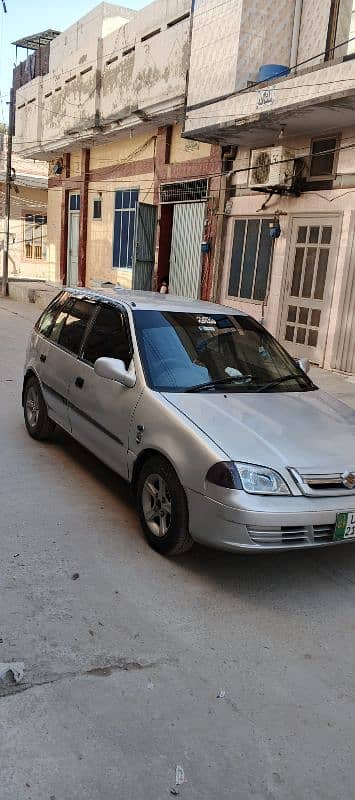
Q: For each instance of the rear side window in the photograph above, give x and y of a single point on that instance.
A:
(108, 337)
(71, 326)
(49, 316)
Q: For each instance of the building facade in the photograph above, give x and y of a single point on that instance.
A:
(28, 252)
(291, 134)
(129, 201)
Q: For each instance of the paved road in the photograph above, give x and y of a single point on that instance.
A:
(123, 665)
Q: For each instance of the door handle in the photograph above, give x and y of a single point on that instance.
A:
(79, 382)
(42, 357)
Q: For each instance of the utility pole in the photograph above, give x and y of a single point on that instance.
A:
(5, 262)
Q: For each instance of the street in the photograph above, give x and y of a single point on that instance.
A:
(123, 665)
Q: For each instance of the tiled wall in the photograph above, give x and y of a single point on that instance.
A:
(313, 30)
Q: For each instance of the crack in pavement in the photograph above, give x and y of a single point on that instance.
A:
(9, 687)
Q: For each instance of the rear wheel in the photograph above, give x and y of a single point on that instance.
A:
(162, 508)
(37, 421)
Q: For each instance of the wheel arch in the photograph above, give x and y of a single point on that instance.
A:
(142, 458)
(28, 374)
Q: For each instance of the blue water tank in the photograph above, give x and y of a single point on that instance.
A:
(269, 71)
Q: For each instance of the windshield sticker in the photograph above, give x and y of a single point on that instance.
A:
(206, 321)
(233, 373)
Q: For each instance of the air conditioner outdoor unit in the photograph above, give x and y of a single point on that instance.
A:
(271, 167)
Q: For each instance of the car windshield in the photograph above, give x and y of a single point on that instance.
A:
(184, 352)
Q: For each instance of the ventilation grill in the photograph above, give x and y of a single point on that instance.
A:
(184, 192)
(261, 167)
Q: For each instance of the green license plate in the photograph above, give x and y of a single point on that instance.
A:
(345, 526)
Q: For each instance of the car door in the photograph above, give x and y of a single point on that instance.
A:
(100, 409)
(50, 361)
(58, 355)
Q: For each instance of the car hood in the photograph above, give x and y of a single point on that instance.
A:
(310, 431)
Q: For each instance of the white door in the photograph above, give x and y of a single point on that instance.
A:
(185, 255)
(310, 273)
(73, 240)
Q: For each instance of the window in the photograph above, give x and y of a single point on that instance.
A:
(108, 337)
(71, 324)
(323, 158)
(74, 202)
(47, 320)
(35, 236)
(125, 222)
(341, 29)
(97, 209)
(251, 257)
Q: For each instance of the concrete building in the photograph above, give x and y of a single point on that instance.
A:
(28, 253)
(129, 200)
(292, 159)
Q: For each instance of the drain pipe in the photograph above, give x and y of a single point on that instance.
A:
(296, 32)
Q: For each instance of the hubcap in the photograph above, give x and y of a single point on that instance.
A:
(156, 503)
(32, 406)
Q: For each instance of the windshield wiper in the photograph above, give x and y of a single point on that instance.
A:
(299, 378)
(212, 384)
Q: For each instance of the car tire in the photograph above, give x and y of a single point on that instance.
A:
(162, 508)
(37, 421)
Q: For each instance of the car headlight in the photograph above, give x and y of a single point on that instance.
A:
(249, 477)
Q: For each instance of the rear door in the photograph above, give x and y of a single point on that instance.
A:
(59, 353)
(100, 410)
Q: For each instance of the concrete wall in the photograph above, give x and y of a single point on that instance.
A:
(54, 229)
(313, 30)
(231, 40)
(140, 146)
(182, 150)
(92, 82)
(289, 95)
(75, 163)
(155, 72)
(80, 38)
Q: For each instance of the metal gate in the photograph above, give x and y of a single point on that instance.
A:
(185, 255)
(309, 285)
(144, 251)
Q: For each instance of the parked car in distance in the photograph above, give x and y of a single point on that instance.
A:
(223, 437)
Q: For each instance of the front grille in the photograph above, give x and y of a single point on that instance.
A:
(292, 535)
(321, 485)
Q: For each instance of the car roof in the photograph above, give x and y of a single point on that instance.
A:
(152, 300)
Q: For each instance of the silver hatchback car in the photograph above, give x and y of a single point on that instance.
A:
(223, 437)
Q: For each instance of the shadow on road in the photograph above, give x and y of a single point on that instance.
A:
(304, 577)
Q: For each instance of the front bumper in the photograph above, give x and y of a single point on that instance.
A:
(285, 523)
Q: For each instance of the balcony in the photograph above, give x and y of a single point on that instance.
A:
(321, 99)
(134, 73)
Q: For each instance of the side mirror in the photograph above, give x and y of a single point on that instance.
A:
(303, 364)
(113, 369)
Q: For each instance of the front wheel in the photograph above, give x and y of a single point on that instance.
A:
(162, 508)
(37, 421)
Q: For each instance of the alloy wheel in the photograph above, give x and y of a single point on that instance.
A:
(32, 406)
(156, 502)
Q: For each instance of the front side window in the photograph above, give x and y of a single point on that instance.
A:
(35, 238)
(124, 230)
(187, 352)
(71, 324)
(251, 258)
(47, 320)
(108, 337)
